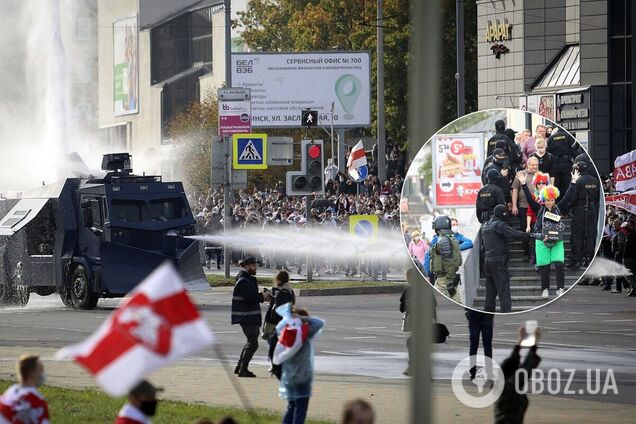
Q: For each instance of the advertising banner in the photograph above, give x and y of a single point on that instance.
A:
(234, 111)
(125, 66)
(457, 164)
(283, 84)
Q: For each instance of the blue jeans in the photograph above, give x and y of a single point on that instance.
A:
(296, 411)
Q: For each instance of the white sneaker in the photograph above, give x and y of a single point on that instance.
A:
(560, 292)
(545, 294)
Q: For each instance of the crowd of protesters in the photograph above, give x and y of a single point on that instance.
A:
(619, 245)
(272, 208)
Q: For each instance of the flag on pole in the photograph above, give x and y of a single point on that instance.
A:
(157, 324)
(625, 171)
(357, 158)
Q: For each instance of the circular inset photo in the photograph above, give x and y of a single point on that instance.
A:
(500, 211)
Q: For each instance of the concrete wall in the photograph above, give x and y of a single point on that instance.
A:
(594, 36)
(145, 125)
(500, 77)
(144, 142)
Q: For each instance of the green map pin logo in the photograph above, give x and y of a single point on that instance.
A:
(347, 90)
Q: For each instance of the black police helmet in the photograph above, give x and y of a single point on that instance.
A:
(510, 133)
(581, 166)
(492, 175)
(501, 212)
(500, 125)
(441, 222)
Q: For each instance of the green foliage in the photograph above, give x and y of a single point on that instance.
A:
(91, 406)
(192, 130)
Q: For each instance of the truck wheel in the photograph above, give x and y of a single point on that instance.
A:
(82, 294)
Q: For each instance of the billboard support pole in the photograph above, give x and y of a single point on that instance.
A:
(228, 187)
(341, 150)
(380, 100)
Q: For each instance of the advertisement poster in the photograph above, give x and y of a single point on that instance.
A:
(125, 66)
(283, 84)
(457, 164)
(235, 111)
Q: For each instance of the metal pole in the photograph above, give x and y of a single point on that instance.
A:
(459, 24)
(308, 217)
(341, 150)
(333, 152)
(423, 122)
(380, 94)
(228, 187)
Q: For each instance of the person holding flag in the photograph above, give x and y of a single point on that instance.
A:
(296, 355)
(141, 405)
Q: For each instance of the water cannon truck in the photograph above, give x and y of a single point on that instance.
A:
(88, 238)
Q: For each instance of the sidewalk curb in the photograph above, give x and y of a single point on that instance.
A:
(343, 291)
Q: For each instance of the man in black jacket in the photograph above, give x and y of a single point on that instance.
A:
(246, 311)
(584, 208)
(511, 406)
(496, 233)
(489, 196)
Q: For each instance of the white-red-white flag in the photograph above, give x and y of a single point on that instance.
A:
(357, 158)
(625, 171)
(157, 324)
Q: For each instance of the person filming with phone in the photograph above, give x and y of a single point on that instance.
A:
(511, 406)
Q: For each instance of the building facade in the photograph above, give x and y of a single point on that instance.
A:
(570, 61)
(155, 58)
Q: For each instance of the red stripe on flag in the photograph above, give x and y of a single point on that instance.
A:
(176, 309)
(357, 154)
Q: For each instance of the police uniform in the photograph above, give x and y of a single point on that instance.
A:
(585, 206)
(445, 262)
(496, 233)
(563, 148)
(488, 197)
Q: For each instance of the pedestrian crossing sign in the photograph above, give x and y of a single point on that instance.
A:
(364, 226)
(249, 151)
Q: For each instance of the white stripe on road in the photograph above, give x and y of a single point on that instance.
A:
(329, 352)
(360, 337)
(370, 328)
(576, 313)
(564, 322)
(563, 331)
(619, 320)
(224, 332)
(602, 313)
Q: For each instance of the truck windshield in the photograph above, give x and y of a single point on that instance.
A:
(167, 209)
(130, 210)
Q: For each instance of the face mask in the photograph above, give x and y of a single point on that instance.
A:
(455, 229)
(149, 407)
(42, 379)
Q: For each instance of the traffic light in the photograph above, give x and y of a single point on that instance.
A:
(310, 178)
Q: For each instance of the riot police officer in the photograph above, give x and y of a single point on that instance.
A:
(584, 207)
(563, 148)
(490, 196)
(496, 233)
(500, 134)
(446, 257)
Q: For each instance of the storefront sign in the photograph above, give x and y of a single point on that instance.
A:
(498, 31)
(573, 110)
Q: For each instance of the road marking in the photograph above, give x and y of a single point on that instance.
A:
(370, 328)
(565, 322)
(602, 313)
(576, 313)
(225, 332)
(360, 337)
(619, 320)
(619, 329)
(563, 331)
(329, 352)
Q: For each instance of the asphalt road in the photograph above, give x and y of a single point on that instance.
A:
(585, 329)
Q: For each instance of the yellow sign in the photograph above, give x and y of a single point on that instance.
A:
(249, 151)
(498, 31)
(364, 226)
